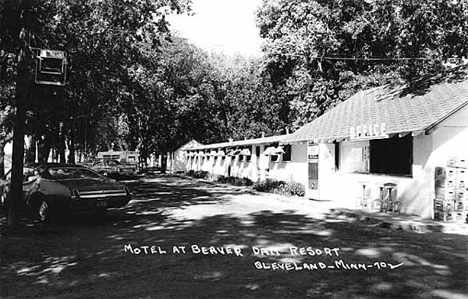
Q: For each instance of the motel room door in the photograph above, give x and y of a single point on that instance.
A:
(313, 171)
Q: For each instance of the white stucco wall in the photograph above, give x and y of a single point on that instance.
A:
(294, 170)
(177, 161)
(416, 193)
(449, 139)
(344, 185)
(259, 167)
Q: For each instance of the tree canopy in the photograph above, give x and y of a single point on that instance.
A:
(323, 51)
(132, 84)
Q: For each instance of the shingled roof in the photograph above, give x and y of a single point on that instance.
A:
(403, 109)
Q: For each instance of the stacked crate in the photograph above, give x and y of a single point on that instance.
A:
(450, 202)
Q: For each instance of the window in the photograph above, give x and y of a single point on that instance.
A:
(245, 154)
(392, 155)
(30, 174)
(111, 157)
(337, 155)
(287, 153)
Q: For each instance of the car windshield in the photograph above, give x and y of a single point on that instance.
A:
(64, 173)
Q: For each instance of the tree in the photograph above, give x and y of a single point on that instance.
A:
(323, 51)
(102, 38)
(6, 105)
(248, 106)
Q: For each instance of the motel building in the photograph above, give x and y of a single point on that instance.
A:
(388, 148)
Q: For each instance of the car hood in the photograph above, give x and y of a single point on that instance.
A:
(92, 184)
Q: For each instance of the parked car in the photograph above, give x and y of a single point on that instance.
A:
(50, 190)
(105, 167)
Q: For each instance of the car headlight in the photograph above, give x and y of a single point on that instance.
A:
(75, 194)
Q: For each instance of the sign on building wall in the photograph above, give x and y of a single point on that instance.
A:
(312, 152)
(368, 131)
(313, 166)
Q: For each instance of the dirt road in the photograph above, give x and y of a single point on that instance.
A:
(184, 239)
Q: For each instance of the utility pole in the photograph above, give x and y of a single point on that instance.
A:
(23, 82)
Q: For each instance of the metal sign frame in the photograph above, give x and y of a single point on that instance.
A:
(51, 67)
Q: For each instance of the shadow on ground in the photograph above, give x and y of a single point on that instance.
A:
(84, 258)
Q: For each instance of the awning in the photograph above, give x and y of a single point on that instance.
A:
(236, 152)
(245, 152)
(269, 150)
(241, 143)
(278, 151)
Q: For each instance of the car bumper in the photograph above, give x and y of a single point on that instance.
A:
(128, 171)
(92, 204)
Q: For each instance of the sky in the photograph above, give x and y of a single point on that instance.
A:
(226, 26)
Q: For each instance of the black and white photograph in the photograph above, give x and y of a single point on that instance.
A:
(233, 149)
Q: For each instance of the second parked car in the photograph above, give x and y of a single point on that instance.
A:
(105, 167)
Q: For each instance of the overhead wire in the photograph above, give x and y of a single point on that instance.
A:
(372, 58)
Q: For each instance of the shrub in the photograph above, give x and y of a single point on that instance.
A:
(234, 181)
(199, 174)
(268, 185)
(280, 187)
(297, 189)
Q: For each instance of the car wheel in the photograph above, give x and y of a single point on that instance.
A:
(100, 213)
(42, 210)
(3, 202)
(99, 216)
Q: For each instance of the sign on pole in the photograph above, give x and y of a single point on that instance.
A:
(51, 67)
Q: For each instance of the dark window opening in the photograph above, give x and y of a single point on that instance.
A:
(274, 158)
(392, 155)
(337, 155)
(287, 153)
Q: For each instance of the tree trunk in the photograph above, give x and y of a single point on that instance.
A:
(43, 150)
(60, 143)
(31, 151)
(61, 152)
(3, 143)
(2, 160)
(22, 94)
(71, 148)
(163, 163)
